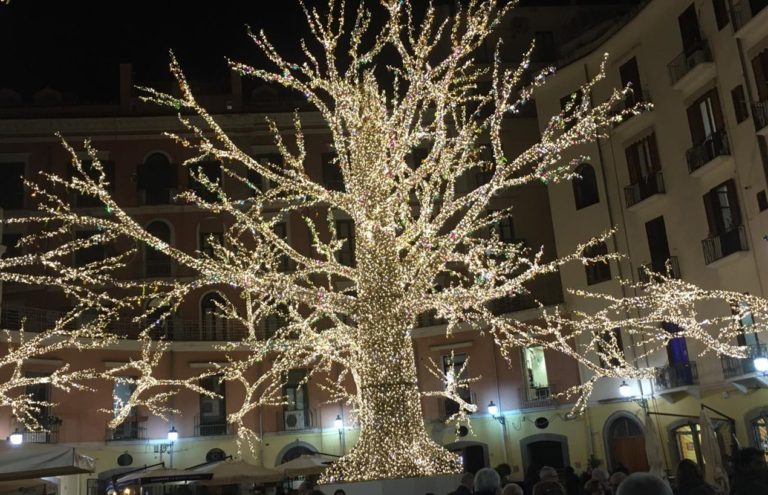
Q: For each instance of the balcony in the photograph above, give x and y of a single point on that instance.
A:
(538, 397)
(634, 123)
(646, 272)
(644, 189)
(741, 373)
(724, 244)
(692, 69)
(750, 21)
(132, 428)
(760, 116)
(50, 423)
(218, 427)
(705, 156)
(677, 380)
(429, 319)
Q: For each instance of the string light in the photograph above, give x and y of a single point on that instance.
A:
(352, 326)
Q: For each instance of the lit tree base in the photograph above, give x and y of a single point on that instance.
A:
(377, 457)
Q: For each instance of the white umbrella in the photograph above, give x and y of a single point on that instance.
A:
(306, 464)
(653, 449)
(38, 460)
(161, 476)
(235, 472)
(714, 471)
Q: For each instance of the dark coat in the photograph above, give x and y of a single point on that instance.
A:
(462, 490)
(696, 489)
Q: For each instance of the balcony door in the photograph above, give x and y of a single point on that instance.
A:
(537, 378)
(722, 208)
(705, 117)
(677, 356)
(656, 233)
(689, 30)
(630, 76)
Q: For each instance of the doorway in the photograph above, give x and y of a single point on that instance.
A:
(546, 449)
(474, 455)
(625, 443)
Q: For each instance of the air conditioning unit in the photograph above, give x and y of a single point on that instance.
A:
(294, 420)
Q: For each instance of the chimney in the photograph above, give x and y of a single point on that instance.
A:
(236, 91)
(126, 87)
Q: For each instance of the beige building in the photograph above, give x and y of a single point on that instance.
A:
(683, 183)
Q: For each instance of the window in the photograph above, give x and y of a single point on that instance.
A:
(722, 208)
(759, 431)
(211, 170)
(740, 107)
(721, 13)
(762, 201)
(597, 271)
(345, 229)
(109, 171)
(208, 240)
(585, 186)
(689, 30)
(688, 442)
(275, 320)
(121, 394)
(506, 229)
(537, 380)
(545, 50)
(157, 180)
(12, 185)
(281, 230)
(213, 410)
(214, 323)
(747, 337)
(658, 246)
(630, 76)
(760, 68)
(332, 177)
(705, 117)
(417, 157)
(452, 364)
(295, 391)
(255, 179)
(643, 160)
(157, 263)
(90, 254)
(606, 345)
(10, 242)
(569, 105)
(39, 392)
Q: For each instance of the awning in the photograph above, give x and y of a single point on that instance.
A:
(41, 460)
(306, 464)
(33, 486)
(161, 476)
(235, 472)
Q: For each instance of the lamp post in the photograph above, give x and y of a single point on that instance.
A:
(173, 435)
(339, 424)
(493, 410)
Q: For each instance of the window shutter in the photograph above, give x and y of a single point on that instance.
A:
(655, 161)
(760, 68)
(632, 165)
(695, 124)
(733, 201)
(718, 112)
(709, 207)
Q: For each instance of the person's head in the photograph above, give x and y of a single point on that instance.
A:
(512, 489)
(570, 470)
(749, 459)
(644, 484)
(487, 480)
(532, 474)
(688, 473)
(594, 487)
(315, 491)
(548, 488)
(468, 480)
(339, 492)
(600, 474)
(616, 479)
(548, 473)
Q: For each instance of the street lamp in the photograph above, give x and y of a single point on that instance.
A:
(624, 389)
(16, 438)
(761, 364)
(173, 435)
(339, 424)
(493, 410)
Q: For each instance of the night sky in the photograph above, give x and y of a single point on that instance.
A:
(76, 46)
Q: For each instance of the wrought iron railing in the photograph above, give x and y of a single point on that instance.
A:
(677, 375)
(724, 243)
(688, 60)
(216, 427)
(49, 436)
(733, 366)
(715, 145)
(646, 272)
(644, 189)
(745, 10)
(538, 397)
(760, 114)
(132, 428)
(638, 95)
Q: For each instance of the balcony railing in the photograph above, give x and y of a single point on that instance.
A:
(733, 367)
(760, 114)
(646, 272)
(638, 95)
(724, 243)
(49, 436)
(688, 60)
(745, 10)
(644, 189)
(214, 428)
(677, 375)
(715, 145)
(130, 429)
(429, 319)
(537, 397)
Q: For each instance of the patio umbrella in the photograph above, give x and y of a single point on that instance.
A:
(235, 472)
(653, 449)
(306, 464)
(714, 471)
(161, 476)
(35, 461)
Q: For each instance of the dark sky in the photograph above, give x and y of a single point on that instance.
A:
(76, 45)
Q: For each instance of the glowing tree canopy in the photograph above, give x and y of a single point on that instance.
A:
(410, 83)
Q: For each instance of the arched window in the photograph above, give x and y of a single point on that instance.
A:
(157, 180)
(158, 264)
(214, 324)
(627, 444)
(585, 186)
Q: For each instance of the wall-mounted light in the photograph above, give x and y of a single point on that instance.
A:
(625, 390)
(16, 438)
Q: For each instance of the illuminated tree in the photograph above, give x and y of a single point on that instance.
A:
(384, 93)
